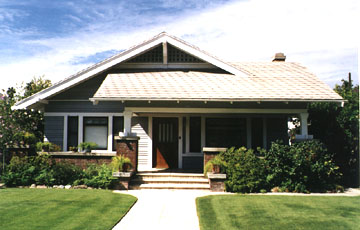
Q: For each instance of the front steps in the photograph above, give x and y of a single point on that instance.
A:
(169, 181)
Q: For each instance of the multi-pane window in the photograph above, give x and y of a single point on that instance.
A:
(225, 132)
(96, 130)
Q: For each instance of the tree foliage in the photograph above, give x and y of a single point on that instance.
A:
(20, 128)
(338, 129)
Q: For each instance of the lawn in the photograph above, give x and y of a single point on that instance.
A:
(278, 212)
(61, 209)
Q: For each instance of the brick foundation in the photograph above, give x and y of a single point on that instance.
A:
(83, 161)
(128, 147)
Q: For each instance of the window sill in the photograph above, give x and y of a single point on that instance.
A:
(93, 153)
(214, 149)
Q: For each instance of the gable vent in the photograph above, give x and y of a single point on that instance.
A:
(152, 56)
(178, 56)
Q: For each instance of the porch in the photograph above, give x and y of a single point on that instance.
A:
(171, 138)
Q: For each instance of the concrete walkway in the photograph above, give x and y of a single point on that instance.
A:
(176, 209)
(162, 209)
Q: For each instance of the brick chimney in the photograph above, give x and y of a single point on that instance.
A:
(279, 57)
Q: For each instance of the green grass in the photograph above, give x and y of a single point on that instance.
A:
(61, 209)
(278, 212)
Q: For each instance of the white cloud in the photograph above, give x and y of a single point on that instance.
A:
(321, 34)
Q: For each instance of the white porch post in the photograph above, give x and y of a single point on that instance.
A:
(304, 124)
(80, 129)
(110, 134)
(127, 122)
(65, 136)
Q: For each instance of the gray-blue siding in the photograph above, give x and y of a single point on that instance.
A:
(84, 107)
(54, 129)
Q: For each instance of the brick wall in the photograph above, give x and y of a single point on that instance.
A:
(128, 148)
(83, 161)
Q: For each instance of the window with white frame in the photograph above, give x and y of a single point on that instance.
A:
(96, 130)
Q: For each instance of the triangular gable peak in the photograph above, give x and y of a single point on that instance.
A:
(166, 43)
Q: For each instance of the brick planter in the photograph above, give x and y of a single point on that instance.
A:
(217, 182)
(128, 147)
(210, 153)
(123, 180)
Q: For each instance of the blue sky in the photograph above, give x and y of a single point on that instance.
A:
(59, 38)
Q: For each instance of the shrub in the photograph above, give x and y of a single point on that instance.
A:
(301, 167)
(217, 161)
(97, 176)
(245, 171)
(39, 169)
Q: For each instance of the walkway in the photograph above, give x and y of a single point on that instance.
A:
(162, 209)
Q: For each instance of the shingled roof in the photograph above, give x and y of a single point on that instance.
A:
(272, 81)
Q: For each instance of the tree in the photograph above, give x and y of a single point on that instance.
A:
(21, 128)
(338, 128)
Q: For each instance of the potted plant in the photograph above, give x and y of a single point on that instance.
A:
(87, 146)
(215, 165)
(121, 164)
(47, 147)
(73, 149)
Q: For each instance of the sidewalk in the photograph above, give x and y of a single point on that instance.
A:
(162, 209)
(176, 209)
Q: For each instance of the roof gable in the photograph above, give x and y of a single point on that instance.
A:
(176, 46)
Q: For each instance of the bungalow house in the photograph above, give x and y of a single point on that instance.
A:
(176, 101)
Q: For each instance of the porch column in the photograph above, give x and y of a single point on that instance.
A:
(127, 122)
(304, 124)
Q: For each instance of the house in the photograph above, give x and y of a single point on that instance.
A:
(174, 101)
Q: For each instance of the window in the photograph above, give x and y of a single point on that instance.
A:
(73, 132)
(118, 126)
(195, 134)
(225, 132)
(96, 130)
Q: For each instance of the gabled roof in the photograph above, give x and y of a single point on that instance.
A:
(121, 57)
(272, 81)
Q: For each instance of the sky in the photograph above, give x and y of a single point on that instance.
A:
(56, 39)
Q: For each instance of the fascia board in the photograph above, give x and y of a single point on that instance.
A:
(83, 75)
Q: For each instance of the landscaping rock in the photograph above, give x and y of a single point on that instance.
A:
(80, 187)
(2, 186)
(41, 186)
(61, 186)
(68, 186)
(56, 186)
(33, 186)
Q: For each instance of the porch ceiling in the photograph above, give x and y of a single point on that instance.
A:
(266, 82)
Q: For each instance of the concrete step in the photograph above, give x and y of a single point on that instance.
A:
(177, 180)
(186, 175)
(169, 180)
(170, 186)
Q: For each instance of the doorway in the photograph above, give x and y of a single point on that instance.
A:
(165, 142)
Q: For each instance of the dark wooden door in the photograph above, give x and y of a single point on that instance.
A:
(165, 142)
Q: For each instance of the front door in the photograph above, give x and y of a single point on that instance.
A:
(165, 142)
